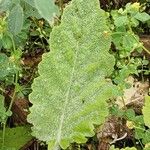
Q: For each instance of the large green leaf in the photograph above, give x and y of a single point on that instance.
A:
(146, 111)
(46, 8)
(30, 9)
(70, 94)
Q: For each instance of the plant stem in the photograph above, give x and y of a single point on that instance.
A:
(2, 90)
(15, 91)
(146, 50)
(9, 108)
(3, 136)
(13, 43)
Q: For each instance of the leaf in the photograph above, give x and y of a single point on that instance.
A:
(121, 21)
(130, 42)
(46, 8)
(139, 133)
(146, 138)
(16, 19)
(16, 138)
(129, 114)
(7, 41)
(30, 9)
(142, 16)
(70, 94)
(146, 111)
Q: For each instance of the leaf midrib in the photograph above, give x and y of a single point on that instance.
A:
(58, 138)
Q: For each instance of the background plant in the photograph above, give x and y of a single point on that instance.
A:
(128, 47)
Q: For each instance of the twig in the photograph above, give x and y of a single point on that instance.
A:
(115, 139)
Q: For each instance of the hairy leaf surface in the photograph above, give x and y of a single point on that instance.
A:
(70, 94)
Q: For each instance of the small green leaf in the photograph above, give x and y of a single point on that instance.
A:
(139, 133)
(121, 21)
(16, 138)
(16, 19)
(142, 16)
(146, 138)
(134, 22)
(46, 8)
(145, 62)
(139, 120)
(117, 39)
(146, 111)
(130, 114)
(130, 42)
(6, 41)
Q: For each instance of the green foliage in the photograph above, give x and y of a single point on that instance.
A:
(6, 66)
(71, 92)
(125, 20)
(136, 123)
(9, 66)
(46, 8)
(146, 111)
(15, 23)
(16, 138)
(140, 132)
(130, 16)
(126, 42)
